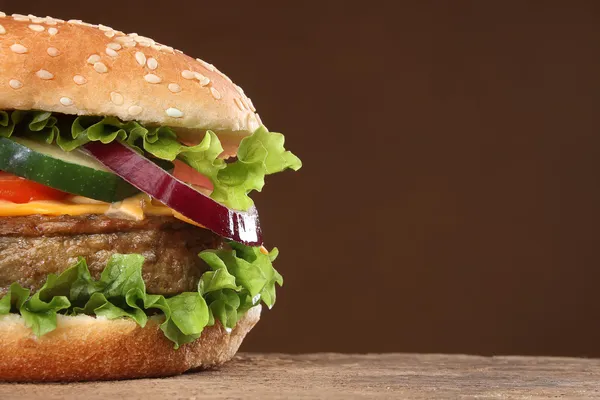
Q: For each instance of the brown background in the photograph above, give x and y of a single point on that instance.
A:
(449, 199)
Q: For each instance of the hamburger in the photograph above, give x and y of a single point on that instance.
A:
(129, 245)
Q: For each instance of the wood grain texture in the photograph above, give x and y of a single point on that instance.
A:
(336, 376)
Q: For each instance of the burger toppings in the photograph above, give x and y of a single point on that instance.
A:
(142, 173)
(85, 166)
(18, 190)
(133, 208)
(74, 172)
(41, 147)
(259, 154)
(238, 279)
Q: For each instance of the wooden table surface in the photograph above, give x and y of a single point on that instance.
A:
(337, 376)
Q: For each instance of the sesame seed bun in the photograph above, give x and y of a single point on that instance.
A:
(84, 348)
(77, 68)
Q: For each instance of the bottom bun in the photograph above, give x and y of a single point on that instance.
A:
(85, 348)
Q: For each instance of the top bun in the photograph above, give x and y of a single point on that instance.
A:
(82, 69)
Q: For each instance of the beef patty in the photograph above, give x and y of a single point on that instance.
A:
(33, 247)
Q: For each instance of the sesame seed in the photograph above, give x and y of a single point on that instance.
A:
(238, 103)
(156, 47)
(239, 89)
(187, 74)
(166, 49)
(109, 34)
(15, 84)
(175, 88)
(205, 81)
(123, 39)
(116, 98)
(129, 44)
(43, 74)
(53, 51)
(244, 103)
(52, 31)
(100, 68)
(65, 101)
(144, 43)
(140, 39)
(2, 30)
(18, 48)
(152, 63)
(2, 14)
(174, 112)
(206, 65)
(104, 28)
(111, 52)
(94, 58)
(50, 21)
(36, 28)
(37, 20)
(80, 80)
(216, 94)
(75, 21)
(251, 105)
(140, 58)
(20, 17)
(151, 78)
(135, 110)
(114, 46)
(199, 76)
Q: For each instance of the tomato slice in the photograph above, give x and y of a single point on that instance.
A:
(187, 174)
(19, 190)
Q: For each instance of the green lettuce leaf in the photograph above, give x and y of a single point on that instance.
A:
(14, 299)
(238, 279)
(189, 312)
(252, 269)
(217, 279)
(224, 305)
(40, 125)
(259, 154)
(204, 157)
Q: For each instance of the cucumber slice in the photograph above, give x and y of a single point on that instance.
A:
(72, 172)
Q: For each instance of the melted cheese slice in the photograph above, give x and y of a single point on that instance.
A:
(135, 208)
